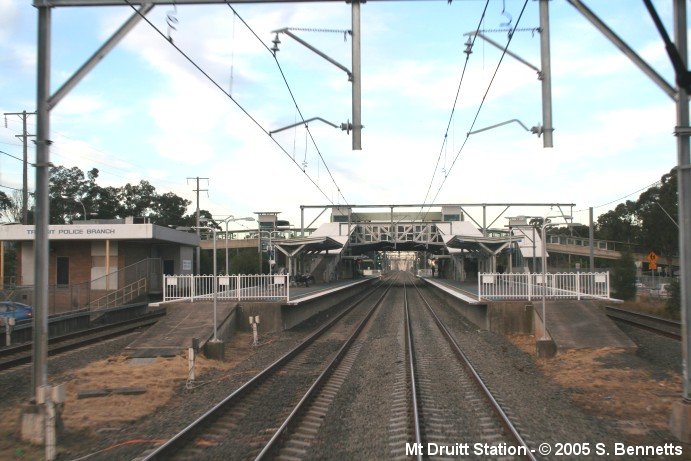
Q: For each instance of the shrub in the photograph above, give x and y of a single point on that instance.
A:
(624, 277)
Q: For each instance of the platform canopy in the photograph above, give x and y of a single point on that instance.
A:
(312, 244)
(475, 244)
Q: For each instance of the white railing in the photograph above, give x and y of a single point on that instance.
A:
(563, 285)
(228, 287)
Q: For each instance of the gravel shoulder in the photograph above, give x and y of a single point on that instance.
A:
(595, 396)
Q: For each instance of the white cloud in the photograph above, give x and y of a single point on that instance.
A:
(9, 12)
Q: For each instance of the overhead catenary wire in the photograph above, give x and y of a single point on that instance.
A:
(479, 109)
(445, 141)
(655, 184)
(290, 91)
(228, 95)
(56, 150)
(10, 155)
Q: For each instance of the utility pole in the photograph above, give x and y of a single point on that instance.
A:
(546, 75)
(25, 169)
(591, 240)
(357, 83)
(198, 250)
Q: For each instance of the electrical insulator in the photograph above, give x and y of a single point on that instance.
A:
(468, 47)
(276, 41)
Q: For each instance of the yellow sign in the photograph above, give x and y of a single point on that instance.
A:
(652, 260)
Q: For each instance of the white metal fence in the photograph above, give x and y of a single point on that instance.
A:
(228, 287)
(564, 285)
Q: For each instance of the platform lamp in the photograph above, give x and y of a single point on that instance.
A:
(231, 218)
(547, 222)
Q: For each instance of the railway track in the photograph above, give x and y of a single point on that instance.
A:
(658, 325)
(435, 420)
(20, 354)
(419, 418)
(241, 427)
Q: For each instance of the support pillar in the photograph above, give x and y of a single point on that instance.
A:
(546, 75)
(681, 411)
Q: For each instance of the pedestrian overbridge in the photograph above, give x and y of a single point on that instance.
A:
(455, 240)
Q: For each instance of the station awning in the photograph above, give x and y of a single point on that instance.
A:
(292, 247)
(476, 244)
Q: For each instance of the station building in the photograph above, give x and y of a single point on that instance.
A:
(91, 259)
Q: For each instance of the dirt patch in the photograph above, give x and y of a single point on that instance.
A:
(610, 383)
(161, 378)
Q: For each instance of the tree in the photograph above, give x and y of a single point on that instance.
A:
(169, 209)
(658, 232)
(11, 207)
(245, 262)
(5, 201)
(106, 203)
(624, 276)
(69, 190)
(138, 199)
(72, 193)
(620, 224)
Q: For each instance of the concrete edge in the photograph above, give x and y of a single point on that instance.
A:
(456, 292)
(318, 294)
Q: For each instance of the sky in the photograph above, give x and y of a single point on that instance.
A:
(145, 112)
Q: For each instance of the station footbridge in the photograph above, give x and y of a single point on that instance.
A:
(449, 240)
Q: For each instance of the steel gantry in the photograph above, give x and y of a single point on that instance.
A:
(47, 101)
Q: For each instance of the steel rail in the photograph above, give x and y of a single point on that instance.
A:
(273, 445)
(174, 444)
(25, 346)
(411, 370)
(652, 323)
(94, 335)
(506, 422)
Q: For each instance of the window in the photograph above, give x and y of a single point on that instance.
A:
(63, 270)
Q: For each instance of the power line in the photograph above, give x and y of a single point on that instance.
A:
(453, 109)
(484, 97)
(12, 188)
(56, 148)
(10, 155)
(656, 183)
(290, 91)
(228, 95)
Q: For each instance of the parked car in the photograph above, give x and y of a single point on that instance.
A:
(18, 311)
(664, 290)
(661, 291)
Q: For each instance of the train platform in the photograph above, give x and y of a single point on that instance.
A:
(303, 294)
(183, 322)
(571, 324)
(186, 320)
(465, 291)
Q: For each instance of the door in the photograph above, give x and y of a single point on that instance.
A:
(63, 270)
(168, 267)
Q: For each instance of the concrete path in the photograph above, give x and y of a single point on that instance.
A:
(174, 333)
(582, 325)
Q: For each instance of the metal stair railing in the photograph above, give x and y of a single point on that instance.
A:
(121, 296)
